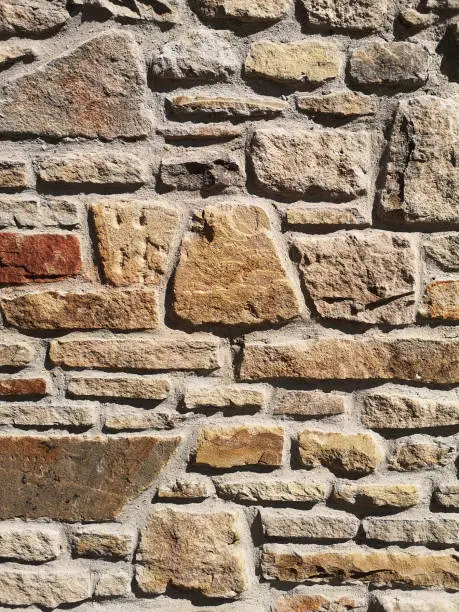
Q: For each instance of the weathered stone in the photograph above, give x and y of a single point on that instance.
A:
(443, 249)
(298, 601)
(22, 387)
(363, 15)
(332, 165)
(134, 240)
(106, 541)
(443, 5)
(434, 529)
(306, 61)
(384, 411)
(242, 10)
(193, 486)
(343, 454)
(126, 387)
(304, 215)
(161, 11)
(61, 212)
(31, 17)
(77, 479)
(420, 454)
(447, 496)
(240, 445)
(48, 586)
(14, 175)
(123, 418)
(374, 495)
(203, 56)
(94, 91)
(28, 258)
(287, 523)
(230, 272)
(200, 131)
(33, 415)
(414, 601)
(223, 107)
(117, 309)
(15, 354)
(291, 489)
(367, 277)
(18, 211)
(233, 397)
(400, 358)
(170, 351)
(396, 65)
(12, 53)
(308, 404)
(342, 104)
(414, 19)
(29, 542)
(422, 179)
(378, 567)
(113, 582)
(441, 300)
(209, 171)
(191, 550)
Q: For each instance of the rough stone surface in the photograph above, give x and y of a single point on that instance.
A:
(447, 496)
(113, 582)
(242, 10)
(161, 11)
(126, 418)
(443, 250)
(362, 15)
(304, 404)
(14, 174)
(342, 104)
(297, 601)
(126, 387)
(30, 415)
(104, 541)
(376, 495)
(35, 17)
(399, 601)
(420, 454)
(18, 212)
(193, 487)
(22, 387)
(15, 354)
(285, 523)
(312, 216)
(29, 542)
(224, 107)
(431, 530)
(442, 300)
(271, 490)
(191, 550)
(232, 397)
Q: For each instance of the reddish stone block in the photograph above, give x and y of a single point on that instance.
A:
(18, 387)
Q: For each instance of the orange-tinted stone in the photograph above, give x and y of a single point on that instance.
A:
(18, 387)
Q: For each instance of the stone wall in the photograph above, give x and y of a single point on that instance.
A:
(230, 290)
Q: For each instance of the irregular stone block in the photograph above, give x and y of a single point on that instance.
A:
(126, 387)
(29, 542)
(330, 165)
(200, 131)
(413, 601)
(419, 453)
(242, 10)
(441, 300)
(287, 523)
(306, 61)
(29, 258)
(18, 211)
(134, 240)
(104, 541)
(77, 479)
(293, 489)
(308, 404)
(336, 601)
(37, 415)
(341, 104)
(62, 213)
(22, 387)
(443, 5)
(416, 20)
(430, 530)
(123, 418)
(374, 495)
(193, 486)
(240, 445)
(301, 214)
(443, 249)
(113, 582)
(161, 11)
(361, 15)
(31, 17)
(223, 107)
(15, 354)
(447, 496)
(12, 53)
(233, 397)
(190, 550)
(95, 91)
(14, 175)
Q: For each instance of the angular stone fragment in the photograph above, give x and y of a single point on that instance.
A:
(28, 258)
(447, 496)
(104, 541)
(330, 165)
(126, 387)
(15, 354)
(396, 65)
(19, 211)
(301, 214)
(378, 567)
(384, 411)
(242, 10)
(435, 529)
(343, 454)
(72, 479)
(414, 601)
(191, 550)
(342, 104)
(117, 309)
(134, 240)
(443, 249)
(287, 523)
(367, 277)
(31, 17)
(162, 11)
(308, 404)
(363, 15)
(220, 107)
(336, 601)
(12, 53)
(399, 358)
(240, 445)
(14, 175)
(422, 177)
(170, 351)
(441, 300)
(29, 542)
(200, 131)
(374, 495)
(48, 586)
(37, 415)
(230, 273)
(306, 61)
(234, 397)
(123, 418)
(22, 387)
(191, 487)
(414, 19)
(293, 489)
(96, 91)
(203, 56)
(420, 454)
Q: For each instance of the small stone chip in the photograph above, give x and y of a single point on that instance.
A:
(29, 542)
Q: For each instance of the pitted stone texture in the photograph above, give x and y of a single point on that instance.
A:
(306, 61)
(359, 358)
(414, 601)
(416, 20)
(23, 387)
(18, 211)
(330, 165)
(104, 541)
(242, 10)
(378, 567)
(287, 523)
(200, 131)
(443, 5)
(298, 601)
(48, 586)
(203, 56)
(127, 418)
(134, 240)
(420, 453)
(272, 490)
(113, 582)
(240, 445)
(376, 495)
(441, 300)
(395, 65)
(29, 258)
(171, 351)
(434, 529)
(230, 273)
(325, 214)
(341, 104)
(422, 178)
(342, 454)
(73, 479)
(96, 91)
(367, 277)
(37, 415)
(306, 404)
(190, 487)
(14, 174)
(29, 542)
(225, 107)
(362, 15)
(126, 387)
(191, 550)
(443, 250)
(116, 309)
(447, 496)
(31, 17)
(384, 411)
(161, 11)
(232, 397)
(15, 354)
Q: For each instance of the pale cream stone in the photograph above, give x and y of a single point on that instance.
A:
(434, 529)
(308, 403)
(233, 397)
(374, 495)
(293, 489)
(242, 10)
(128, 387)
(224, 107)
(30, 542)
(288, 523)
(104, 541)
(342, 104)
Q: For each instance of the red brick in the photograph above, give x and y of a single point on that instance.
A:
(18, 387)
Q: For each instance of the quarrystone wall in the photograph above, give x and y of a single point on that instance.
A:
(229, 269)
